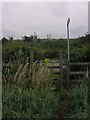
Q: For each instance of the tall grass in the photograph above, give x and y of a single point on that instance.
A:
(78, 106)
(43, 102)
(28, 103)
(28, 93)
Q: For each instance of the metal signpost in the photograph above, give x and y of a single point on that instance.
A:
(68, 61)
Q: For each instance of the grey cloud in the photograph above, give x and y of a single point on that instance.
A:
(9, 33)
(89, 17)
(44, 18)
(0, 21)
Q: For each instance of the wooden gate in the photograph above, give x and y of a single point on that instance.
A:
(78, 71)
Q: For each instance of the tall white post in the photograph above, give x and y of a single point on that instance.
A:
(68, 61)
(68, 21)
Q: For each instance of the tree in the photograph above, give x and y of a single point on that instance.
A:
(31, 38)
(39, 40)
(28, 39)
(4, 40)
(35, 36)
(25, 38)
(48, 37)
(11, 38)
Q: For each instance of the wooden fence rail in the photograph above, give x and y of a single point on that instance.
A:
(75, 76)
(86, 71)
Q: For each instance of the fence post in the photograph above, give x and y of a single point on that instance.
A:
(61, 68)
(87, 74)
(68, 73)
(31, 58)
(31, 64)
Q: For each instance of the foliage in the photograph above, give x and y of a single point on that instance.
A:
(43, 102)
(4, 40)
(80, 53)
(28, 39)
(27, 89)
(78, 106)
(29, 103)
(50, 48)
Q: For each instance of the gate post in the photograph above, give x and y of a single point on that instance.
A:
(61, 67)
(31, 64)
(68, 73)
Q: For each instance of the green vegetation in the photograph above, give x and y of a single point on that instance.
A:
(78, 106)
(38, 102)
(29, 103)
(49, 48)
(28, 91)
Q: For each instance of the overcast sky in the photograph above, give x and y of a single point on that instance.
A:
(25, 18)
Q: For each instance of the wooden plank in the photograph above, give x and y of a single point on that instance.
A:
(53, 78)
(80, 63)
(78, 73)
(56, 72)
(76, 81)
(77, 63)
(61, 66)
(58, 67)
(72, 64)
(53, 67)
